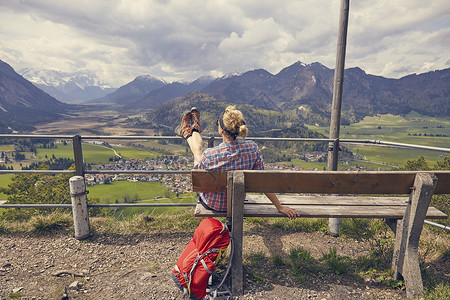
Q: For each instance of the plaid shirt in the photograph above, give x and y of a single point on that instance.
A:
(235, 155)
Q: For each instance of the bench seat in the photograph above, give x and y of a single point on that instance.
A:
(314, 206)
(318, 194)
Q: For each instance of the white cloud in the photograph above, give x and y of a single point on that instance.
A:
(120, 40)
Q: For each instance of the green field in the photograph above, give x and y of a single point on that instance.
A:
(131, 211)
(410, 129)
(5, 179)
(132, 191)
(6, 147)
(342, 166)
(95, 153)
(118, 190)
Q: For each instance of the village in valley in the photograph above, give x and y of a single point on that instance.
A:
(178, 183)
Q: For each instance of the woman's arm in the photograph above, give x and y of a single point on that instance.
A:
(290, 212)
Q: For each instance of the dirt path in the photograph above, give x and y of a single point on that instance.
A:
(106, 266)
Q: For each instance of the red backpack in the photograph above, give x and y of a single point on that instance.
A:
(198, 259)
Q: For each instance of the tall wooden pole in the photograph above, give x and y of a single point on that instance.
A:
(333, 151)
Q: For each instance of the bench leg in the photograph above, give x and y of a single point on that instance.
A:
(396, 226)
(406, 256)
(399, 246)
(237, 232)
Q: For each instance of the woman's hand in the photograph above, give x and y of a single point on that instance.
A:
(289, 212)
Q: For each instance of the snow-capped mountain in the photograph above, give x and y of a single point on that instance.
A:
(68, 87)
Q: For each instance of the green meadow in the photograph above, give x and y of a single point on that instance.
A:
(126, 212)
(314, 165)
(5, 179)
(96, 153)
(411, 129)
(124, 191)
(119, 190)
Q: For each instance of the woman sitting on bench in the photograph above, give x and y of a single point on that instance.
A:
(232, 154)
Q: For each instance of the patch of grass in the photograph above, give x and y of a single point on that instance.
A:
(436, 286)
(337, 264)
(3, 227)
(438, 292)
(388, 281)
(258, 221)
(358, 229)
(129, 212)
(51, 222)
(300, 224)
(379, 257)
(301, 262)
(15, 295)
(181, 221)
(277, 261)
(255, 258)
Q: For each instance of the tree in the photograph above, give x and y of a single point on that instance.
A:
(34, 189)
(38, 189)
(418, 164)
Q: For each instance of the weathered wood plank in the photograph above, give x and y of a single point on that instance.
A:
(443, 183)
(325, 211)
(330, 182)
(328, 200)
(204, 181)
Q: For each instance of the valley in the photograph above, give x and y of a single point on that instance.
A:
(92, 122)
(413, 129)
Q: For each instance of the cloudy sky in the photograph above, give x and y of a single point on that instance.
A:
(186, 39)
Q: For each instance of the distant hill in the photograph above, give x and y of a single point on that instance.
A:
(22, 104)
(68, 87)
(301, 85)
(132, 91)
(147, 92)
(169, 91)
(167, 116)
(306, 90)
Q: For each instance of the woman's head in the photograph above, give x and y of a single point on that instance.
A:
(233, 123)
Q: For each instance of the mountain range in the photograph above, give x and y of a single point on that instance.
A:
(68, 87)
(298, 93)
(22, 104)
(301, 87)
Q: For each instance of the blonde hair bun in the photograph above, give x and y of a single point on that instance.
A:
(233, 120)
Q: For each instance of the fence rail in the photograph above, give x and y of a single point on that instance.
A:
(80, 171)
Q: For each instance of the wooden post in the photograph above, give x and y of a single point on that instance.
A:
(237, 232)
(406, 256)
(335, 223)
(79, 207)
(78, 155)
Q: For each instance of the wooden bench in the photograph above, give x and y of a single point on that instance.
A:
(404, 215)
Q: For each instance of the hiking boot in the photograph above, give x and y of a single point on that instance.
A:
(195, 120)
(185, 128)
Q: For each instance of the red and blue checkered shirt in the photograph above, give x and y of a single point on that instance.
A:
(235, 155)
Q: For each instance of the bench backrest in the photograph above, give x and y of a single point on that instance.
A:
(323, 182)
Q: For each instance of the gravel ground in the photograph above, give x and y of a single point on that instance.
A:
(107, 266)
